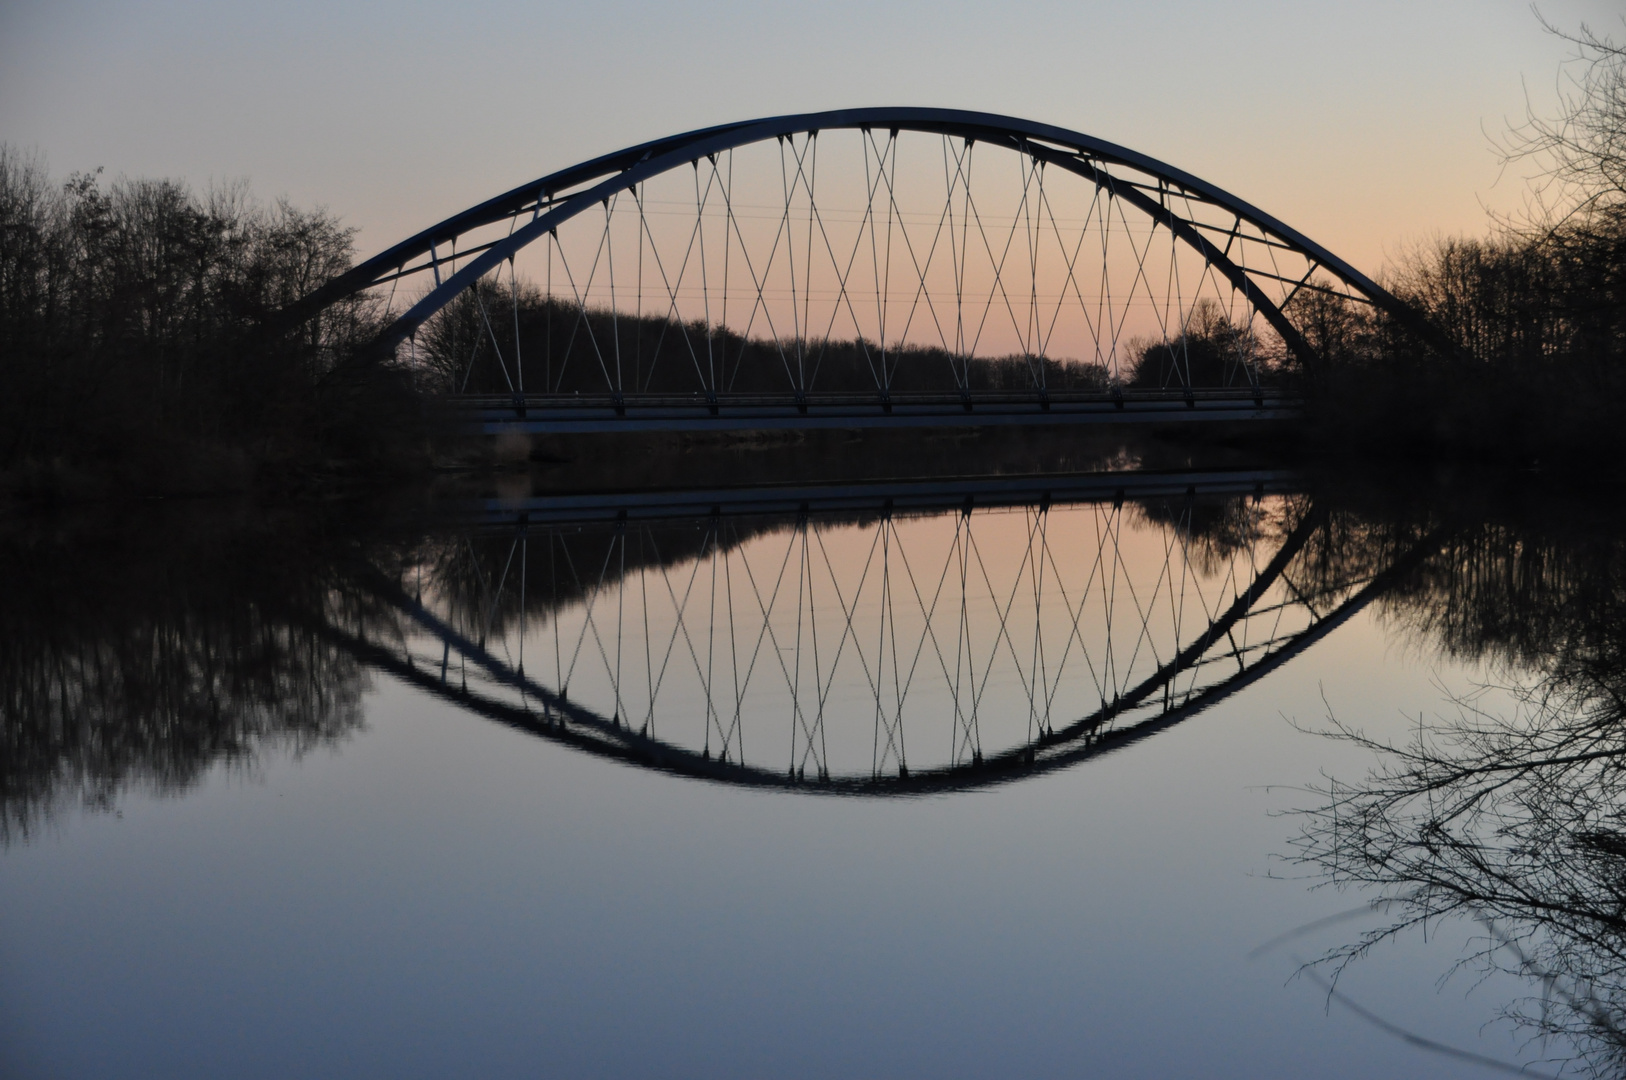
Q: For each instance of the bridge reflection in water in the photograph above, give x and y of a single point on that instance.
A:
(865, 642)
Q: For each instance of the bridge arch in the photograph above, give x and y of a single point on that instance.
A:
(1234, 250)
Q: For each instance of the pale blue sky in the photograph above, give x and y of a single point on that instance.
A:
(1361, 124)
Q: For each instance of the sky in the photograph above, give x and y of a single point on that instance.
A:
(1366, 126)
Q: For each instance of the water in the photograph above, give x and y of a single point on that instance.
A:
(875, 781)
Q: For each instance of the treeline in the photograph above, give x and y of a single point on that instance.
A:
(1519, 351)
(139, 346)
(1212, 351)
(494, 337)
(497, 338)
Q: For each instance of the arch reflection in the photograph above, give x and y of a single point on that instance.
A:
(885, 641)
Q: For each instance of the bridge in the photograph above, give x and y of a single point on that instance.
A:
(884, 266)
(885, 641)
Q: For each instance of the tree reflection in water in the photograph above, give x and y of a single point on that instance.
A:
(160, 650)
(1514, 814)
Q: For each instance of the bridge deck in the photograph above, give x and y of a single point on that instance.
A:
(539, 413)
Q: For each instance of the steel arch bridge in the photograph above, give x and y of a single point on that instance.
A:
(886, 265)
(979, 637)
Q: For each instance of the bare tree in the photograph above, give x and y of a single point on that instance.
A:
(1580, 151)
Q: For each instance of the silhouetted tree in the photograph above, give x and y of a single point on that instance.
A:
(1209, 352)
(137, 320)
(471, 346)
(1528, 351)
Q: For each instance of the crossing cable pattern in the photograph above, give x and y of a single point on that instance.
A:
(888, 252)
(879, 654)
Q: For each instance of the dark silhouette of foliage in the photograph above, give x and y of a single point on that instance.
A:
(137, 329)
(470, 346)
(1526, 357)
(1210, 351)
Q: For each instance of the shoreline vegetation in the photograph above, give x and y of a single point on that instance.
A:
(136, 354)
(141, 353)
(1530, 320)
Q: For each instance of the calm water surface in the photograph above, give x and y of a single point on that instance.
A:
(919, 782)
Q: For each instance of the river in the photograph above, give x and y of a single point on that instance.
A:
(1036, 777)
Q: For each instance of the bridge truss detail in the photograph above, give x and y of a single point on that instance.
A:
(889, 262)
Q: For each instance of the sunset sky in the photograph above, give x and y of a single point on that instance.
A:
(1367, 126)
